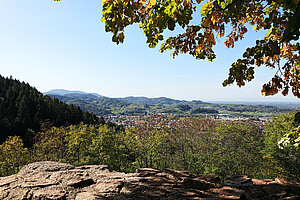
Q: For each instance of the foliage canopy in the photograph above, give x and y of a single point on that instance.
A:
(281, 144)
(199, 145)
(23, 109)
(279, 48)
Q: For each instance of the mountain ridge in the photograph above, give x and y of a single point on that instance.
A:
(64, 92)
(144, 106)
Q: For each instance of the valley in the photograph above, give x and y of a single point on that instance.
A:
(143, 106)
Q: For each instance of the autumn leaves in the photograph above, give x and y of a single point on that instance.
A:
(279, 49)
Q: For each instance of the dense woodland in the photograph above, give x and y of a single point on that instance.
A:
(23, 109)
(61, 132)
(198, 145)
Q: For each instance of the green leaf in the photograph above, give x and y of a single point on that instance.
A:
(171, 25)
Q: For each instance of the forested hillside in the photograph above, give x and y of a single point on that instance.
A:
(148, 106)
(163, 101)
(83, 103)
(23, 109)
(91, 103)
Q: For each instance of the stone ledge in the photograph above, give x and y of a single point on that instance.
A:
(60, 181)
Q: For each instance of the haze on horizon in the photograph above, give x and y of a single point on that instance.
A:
(63, 45)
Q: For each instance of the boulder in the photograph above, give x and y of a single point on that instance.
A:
(60, 181)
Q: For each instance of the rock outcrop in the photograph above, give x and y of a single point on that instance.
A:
(59, 181)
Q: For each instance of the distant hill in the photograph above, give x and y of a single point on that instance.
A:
(23, 109)
(144, 105)
(84, 105)
(163, 101)
(88, 102)
(65, 92)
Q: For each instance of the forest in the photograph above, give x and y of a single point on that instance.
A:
(199, 145)
(23, 109)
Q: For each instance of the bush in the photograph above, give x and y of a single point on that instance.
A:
(286, 159)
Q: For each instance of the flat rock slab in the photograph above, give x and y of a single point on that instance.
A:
(6, 181)
(74, 178)
(45, 166)
(53, 194)
(60, 181)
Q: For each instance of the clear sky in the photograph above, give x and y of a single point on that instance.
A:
(63, 45)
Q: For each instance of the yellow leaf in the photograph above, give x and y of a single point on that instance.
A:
(214, 19)
(151, 3)
(269, 33)
(198, 49)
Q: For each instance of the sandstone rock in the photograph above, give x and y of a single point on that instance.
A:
(6, 181)
(283, 181)
(196, 183)
(147, 171)
(226, 192)
(212, 178)
(109, 188)
(59, 181)
(74, 178)
(48, 194)
(262, 181)
(237, 180)
(45, 166)
(88, 196)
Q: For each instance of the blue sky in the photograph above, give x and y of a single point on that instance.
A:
(63, 45)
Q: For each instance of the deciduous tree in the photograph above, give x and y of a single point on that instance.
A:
(13, 155)
(281, 145)
(279, 48)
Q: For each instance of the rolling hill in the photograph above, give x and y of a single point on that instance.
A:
(101, 105)
(65, 92)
